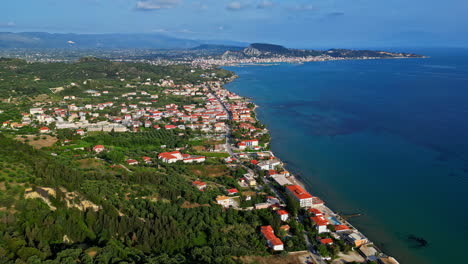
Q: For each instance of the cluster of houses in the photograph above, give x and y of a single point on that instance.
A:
(132, 111)
(174, 156)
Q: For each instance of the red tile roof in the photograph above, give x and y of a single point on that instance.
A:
(282, 212)
(319, 220)
(232, 191)
(326, 241)
(315, 211)
(341, 227)
(269, 235)
(298, 192)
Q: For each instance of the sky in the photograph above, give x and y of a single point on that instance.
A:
(294, 23)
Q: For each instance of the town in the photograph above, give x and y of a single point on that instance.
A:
(213, 132)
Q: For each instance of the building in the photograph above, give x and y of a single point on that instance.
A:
(284, 216)
(147, 160)
(132, 162)
(98, 148)
(174, 156)
(320, 223)
(269, 164)
(225, 201)
(232, 191)
(44, 130)
(341, 228)
(199, 184)
(272, 241)
(356, 239)
(315, 211)
(248, 143)
(303, 197)
(249, 178)
(369, 253)
(170, 157)
(326, 241)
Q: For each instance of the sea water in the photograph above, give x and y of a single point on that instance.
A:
(387, 139)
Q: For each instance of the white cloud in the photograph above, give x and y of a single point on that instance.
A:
(304, 7)
(8, 24)
(156, 4)
(235, 6)
(265, 4)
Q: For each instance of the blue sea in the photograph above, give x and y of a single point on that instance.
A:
(384, 138)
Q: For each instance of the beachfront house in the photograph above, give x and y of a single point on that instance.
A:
(320, 223)
(302, 196)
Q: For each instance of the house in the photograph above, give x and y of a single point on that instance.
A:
(320, 223)
(269, 164)
(199, 184)
(272, 241)
(249, 178)
(170, 157)
(285, 228)
(247, 144)
(147, 160)
(98, 148)
(303, 197)
(356, 239)
(232, 191)
(326, 241)
(284, 216)
(132, 162)
(281, 179)
(80, 132)
(315, 211)
(369, 252)
(341, 228)
(191, 159)
(169, 126)
(44, 130)
(225, 201)
(262, 206)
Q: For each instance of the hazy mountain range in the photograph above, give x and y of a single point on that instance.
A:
(109, 41)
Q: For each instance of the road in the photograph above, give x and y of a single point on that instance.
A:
(317, 259)
(229, 129)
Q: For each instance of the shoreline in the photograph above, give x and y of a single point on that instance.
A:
(297, 179)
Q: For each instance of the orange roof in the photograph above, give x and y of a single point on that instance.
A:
(326, 241)
(198, 183)
(315, 211)
(282, 212)
(233, 190)
(341, 227)
(298, 192)
(269, 235)
(319, 220)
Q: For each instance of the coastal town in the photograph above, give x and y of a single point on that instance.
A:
(214, 133)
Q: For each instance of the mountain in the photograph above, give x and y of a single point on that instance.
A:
(90, 41)
(263, 50)
(217, 47)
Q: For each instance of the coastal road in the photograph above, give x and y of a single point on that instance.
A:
(229, 129)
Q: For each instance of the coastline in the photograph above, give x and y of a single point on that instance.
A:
(296, 178)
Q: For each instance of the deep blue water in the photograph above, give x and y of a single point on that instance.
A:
(385, 138)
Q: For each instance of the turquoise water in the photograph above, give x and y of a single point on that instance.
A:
(384, 138)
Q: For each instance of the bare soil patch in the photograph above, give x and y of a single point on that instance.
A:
(42, 142)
